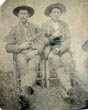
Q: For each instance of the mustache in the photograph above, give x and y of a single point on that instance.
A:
(23, 18)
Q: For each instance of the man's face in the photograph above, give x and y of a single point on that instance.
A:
(23, 15)
(55, 14)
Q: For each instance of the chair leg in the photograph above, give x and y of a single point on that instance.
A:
(42, 83)
(46, 74)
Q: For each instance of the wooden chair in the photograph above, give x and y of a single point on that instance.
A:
(47, 73)
(43, 74)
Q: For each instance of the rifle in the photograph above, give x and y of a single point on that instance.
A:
(35, 37)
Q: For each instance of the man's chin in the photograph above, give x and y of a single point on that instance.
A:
(23, 20)
(55, 20)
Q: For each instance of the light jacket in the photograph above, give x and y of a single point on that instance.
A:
(16, 37)
(65, 34)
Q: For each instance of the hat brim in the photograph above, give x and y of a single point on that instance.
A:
(56, 5)
(30, 10)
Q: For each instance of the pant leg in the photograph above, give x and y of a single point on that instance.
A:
(68, 63)
(28, 71)
(22, 64)
(33, 65)
(56, 63)
(23, 69)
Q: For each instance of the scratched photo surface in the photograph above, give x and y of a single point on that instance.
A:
(44, 56)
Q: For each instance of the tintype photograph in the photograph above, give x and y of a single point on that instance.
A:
(44, 55)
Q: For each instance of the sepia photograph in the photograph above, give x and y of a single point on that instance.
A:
(44, 55)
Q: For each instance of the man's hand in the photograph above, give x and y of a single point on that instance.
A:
(56, 51)
(24, 46)
(31, 54)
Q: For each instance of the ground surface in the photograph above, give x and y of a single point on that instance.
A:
(44, 98)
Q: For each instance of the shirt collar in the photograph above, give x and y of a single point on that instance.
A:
(24, 25)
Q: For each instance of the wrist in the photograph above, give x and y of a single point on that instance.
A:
(21, 48)
(36, 52)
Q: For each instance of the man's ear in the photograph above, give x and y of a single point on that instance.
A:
(18, 14)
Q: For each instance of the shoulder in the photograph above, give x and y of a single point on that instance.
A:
(15, 27)
(13, 30)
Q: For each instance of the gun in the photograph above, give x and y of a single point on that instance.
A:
(55, 40)
(35, 37)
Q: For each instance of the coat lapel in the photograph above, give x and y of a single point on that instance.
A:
(52, 28)
(21, 34)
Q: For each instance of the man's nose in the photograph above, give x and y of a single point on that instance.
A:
(55, 13)
(23, 15)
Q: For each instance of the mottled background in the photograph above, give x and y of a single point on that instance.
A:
(76, 17)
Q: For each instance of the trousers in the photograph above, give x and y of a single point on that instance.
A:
(28, 70)
(63, 67)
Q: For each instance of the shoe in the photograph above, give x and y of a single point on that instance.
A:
(85, 106)
(24, 102)
(70, 100)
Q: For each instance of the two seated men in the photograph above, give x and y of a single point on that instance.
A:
(28, 42)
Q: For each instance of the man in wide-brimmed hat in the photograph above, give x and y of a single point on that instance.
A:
(30, 10)
(60, 6)
(24, 39)
(58, 49)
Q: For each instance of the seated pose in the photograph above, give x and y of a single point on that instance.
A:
(57, 50)
(24, 39)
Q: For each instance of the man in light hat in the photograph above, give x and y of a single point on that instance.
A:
(24, 39)
(58, 48)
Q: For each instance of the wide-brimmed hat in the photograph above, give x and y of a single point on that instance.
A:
(30, 10)
(55, 5)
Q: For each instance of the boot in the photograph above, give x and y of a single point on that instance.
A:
(24, 102)
(85, 105)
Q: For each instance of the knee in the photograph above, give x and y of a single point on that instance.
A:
(51, 57)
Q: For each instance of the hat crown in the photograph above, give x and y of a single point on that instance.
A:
(30, 10)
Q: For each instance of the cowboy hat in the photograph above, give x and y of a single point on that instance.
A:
(30, 10)
(56, 5)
